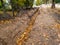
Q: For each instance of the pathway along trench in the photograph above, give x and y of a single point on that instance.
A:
(24, 35)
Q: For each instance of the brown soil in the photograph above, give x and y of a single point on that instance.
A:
(45, 31)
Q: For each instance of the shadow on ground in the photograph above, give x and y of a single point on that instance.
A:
(5, 17)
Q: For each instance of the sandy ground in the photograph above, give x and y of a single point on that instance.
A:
(47, 5)
(9, 32)
(44, 30)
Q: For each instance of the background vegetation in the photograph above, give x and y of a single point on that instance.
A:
(22, 3)
(16, 5)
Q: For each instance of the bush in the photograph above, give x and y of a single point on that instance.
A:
(57, 1)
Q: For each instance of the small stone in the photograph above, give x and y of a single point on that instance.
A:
(32, 43)
(59, 43)
(59, 35)
(57, 40)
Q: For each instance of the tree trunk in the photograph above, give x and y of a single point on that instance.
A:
(12, 5)
(53, 4)
(3, 6)
(13, 12)
(2, 3)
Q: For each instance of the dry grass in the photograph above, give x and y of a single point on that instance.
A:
(9, 12)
